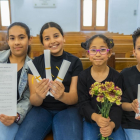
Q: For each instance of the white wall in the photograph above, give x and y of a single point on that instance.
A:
(66, 14)
(138, 15)
(121, 16)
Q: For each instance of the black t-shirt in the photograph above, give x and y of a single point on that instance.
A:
(75, 68)
(131, 79)
(18, 77)
(88, 105)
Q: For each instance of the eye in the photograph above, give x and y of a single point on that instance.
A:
(103, 49)
(138, 49)
(56, 36)
(11, 38)
(21, 37)
(93, 50)
(47, 38)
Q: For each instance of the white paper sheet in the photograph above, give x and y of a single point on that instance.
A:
(34, 71)
(63, 70)
(8, 89)
(47, 59)
(138, 97)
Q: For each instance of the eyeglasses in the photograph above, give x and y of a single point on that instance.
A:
(101, 51)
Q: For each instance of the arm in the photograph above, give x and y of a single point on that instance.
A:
(84, 105)
(38, 91)
(24, 105)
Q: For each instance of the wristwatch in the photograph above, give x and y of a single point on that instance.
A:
(18, 118)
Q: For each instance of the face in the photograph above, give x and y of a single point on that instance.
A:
(99, 59)
(53, 40)
(18, 41)
(136, 51)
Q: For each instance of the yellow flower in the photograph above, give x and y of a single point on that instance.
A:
(100, 98)
(118, 102)
(118, 91)
(102, 88)
(109, 86)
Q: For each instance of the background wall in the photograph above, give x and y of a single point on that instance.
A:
(121, 16)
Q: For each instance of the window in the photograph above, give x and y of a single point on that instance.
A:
(94, 14)
(4, 14)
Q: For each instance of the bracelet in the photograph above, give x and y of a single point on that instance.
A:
(18, 118)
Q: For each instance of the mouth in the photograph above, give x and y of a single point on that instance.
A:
(54, 46)
(18, 48)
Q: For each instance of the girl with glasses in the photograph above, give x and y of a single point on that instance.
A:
(99, 49)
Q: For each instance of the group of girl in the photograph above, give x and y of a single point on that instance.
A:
(72, 114)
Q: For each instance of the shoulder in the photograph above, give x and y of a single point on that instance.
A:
(85, 72)
(39, 59)
(71, 57)
(114, 72)
(129, 70)
(4, 55)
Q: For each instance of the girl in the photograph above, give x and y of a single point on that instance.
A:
(53, 113)
(18, 36)
(99, 51)
(130, 105)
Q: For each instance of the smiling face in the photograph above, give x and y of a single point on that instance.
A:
(18, 41)
(99, 59)
(53, 40)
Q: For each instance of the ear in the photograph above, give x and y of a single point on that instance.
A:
(30, 40)
(110, 53)
(87, 54)
(134, 52)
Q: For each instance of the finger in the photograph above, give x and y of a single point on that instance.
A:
(138, 118)
(55, 85)
(59, 83)
(40, 82)
(135, 109)
(42, 86)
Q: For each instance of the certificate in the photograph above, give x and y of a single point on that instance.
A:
(138, 97)
(8, 89)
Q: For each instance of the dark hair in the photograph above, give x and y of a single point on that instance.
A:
(135, 35)
(87, 44)
(46, 26)
(23, 25)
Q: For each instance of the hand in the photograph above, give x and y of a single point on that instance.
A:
(135, 106)
(107, 131)
(42, 88)
(7, 120)
(101, 121)
(57, 89)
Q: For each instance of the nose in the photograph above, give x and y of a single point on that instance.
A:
(98, 53)
(17, 41)
(52, 40)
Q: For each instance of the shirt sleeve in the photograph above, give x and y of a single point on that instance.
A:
(84, 106)
(77, 68)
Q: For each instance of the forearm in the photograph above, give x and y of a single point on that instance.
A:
(69, 98)
(36, 100)
(126, 106)
(94, 116)
(112, 124)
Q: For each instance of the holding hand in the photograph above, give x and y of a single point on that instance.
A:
(107, 131)
(42, 88)
(135, 106)
(7, 120)
(101, 121)
(57, 89)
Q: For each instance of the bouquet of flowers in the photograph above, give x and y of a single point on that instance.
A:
(107, 94)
